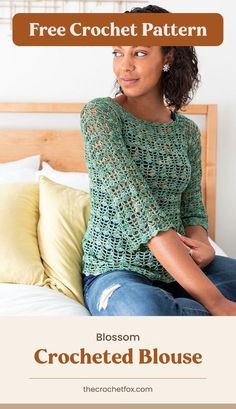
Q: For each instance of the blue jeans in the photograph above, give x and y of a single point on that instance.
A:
(123, 292)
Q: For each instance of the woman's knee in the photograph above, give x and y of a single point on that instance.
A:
(132, 299)
(221, 265)
(222, 272)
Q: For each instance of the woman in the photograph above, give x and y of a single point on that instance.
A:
(146, 249)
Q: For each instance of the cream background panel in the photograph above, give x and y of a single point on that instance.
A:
(211, 382)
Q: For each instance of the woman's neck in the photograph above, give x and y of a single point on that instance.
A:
(146, 108)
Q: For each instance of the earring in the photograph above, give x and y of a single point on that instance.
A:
(166, 67)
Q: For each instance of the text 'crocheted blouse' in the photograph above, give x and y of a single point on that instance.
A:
(145, 177)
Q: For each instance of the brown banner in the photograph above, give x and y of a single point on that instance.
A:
(117, 406)
(101, 29)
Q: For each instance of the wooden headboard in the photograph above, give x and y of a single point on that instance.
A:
(64, 149)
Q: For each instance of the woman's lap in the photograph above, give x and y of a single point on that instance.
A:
(123, 292)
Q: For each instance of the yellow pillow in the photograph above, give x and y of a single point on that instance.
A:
(19, 253)
(64, 214)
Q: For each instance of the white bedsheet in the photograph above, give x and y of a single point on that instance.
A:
(30, 300)
(20, 299)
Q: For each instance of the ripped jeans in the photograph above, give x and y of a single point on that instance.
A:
(123, 292)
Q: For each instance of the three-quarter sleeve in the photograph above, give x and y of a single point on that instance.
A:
(137, 211)
(192, 208)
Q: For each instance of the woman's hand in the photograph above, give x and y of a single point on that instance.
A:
(201, 253)
(224, 307)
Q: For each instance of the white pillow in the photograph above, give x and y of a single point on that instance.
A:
(77, 180)
(31, 162)
(16, 176)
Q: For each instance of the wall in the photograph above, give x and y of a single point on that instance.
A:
(45, 74)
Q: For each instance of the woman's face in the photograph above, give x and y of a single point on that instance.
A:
(138, 69)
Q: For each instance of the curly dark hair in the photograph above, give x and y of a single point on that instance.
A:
(181, 81)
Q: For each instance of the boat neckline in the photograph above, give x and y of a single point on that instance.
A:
(143, 120)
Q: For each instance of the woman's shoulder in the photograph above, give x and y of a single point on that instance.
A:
(190, 126)
(100, 105)
(97, 101)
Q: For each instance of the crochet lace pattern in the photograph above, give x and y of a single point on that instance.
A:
(145, 177)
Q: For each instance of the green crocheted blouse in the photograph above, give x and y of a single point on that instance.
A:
(145, 177)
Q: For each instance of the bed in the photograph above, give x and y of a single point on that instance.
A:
(60, 156)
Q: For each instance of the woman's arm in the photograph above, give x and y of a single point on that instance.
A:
(171, 253)
(198, 233)
(193, 213)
